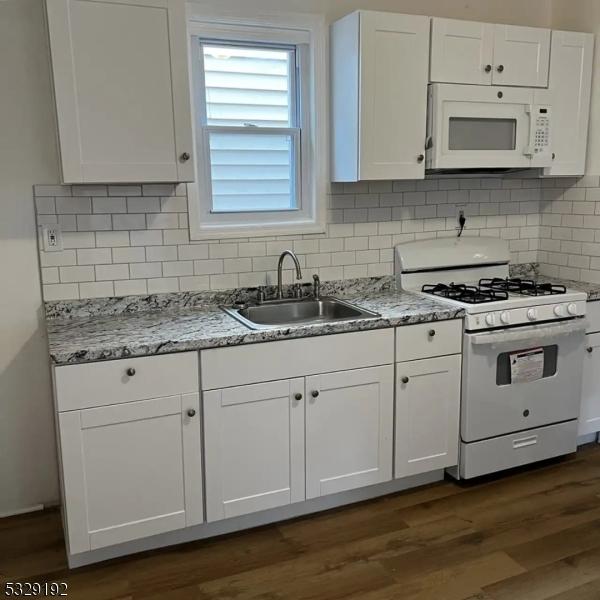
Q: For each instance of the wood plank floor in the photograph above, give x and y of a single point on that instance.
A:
(533, 534)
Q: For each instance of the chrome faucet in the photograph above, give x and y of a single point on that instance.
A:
(280, 268)
(316, 287)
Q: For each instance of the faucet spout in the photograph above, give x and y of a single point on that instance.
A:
(280, 269)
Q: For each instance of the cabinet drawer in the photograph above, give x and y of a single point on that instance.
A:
(103, 383)
(227, 367)
(426, 340)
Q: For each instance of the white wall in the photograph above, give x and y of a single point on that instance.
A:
(27, 155)
(584, 15)
(535, 13)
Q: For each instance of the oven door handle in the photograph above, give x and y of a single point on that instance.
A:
(534, 333)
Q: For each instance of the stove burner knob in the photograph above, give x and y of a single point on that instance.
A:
(559, 310)
(572, 308)
(490, 319)
(532, 314)
(505, 317)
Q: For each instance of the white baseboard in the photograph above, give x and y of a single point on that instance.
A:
(590, 438)
(207, 530)
(22, 511)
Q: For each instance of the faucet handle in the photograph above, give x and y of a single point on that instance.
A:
(316, 286)
(260, 295)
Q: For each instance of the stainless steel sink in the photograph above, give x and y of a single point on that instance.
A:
(297, 311)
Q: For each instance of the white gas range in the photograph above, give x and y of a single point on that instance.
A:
(523, 347)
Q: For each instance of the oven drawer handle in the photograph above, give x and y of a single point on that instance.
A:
(532, 440)
(538, 332)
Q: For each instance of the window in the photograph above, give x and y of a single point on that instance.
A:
(256, 117)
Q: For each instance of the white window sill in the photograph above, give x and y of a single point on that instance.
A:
(249, 231)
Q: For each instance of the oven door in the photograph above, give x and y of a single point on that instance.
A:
(520, 378)
(471, 126)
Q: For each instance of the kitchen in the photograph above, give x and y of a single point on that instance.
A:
(435, 272)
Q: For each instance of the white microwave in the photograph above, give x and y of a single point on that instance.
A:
(486, 127)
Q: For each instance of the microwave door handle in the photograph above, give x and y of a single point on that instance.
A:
(531, 334)
(528, 150)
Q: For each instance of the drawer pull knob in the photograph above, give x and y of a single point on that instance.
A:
(590, 349)
(185, 156)
(487, 68)
(131, 371)
(404, 379)
(315, 393)
(191, 412)
(420, 158)
(500, 68)
(298, 397)
(431, 332)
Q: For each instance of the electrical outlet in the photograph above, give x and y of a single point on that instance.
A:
(52, 238)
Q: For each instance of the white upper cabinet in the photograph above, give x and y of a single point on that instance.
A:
(349, 430)
(461, 51)
(122, 90)
(379, 75)
(521, 56)
(487, 54)
(568, 93)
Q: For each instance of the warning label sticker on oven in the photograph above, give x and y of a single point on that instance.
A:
(527, 365)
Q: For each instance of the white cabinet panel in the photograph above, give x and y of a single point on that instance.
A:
(427, 414)
(131, 470)
(426, 340)
(589, 418)
(379, 96)
(125, 380)
(569, 92)
(349, 428)
(461, 51)
(121, 89)
(521, 56)
(254, 444)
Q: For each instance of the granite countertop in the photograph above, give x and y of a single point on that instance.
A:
(101, 337)
(591, 289)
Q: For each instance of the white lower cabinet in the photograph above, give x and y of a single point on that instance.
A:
(131, 470)
(254, 447)
(349, 429)
(589, 418)
(427, 414)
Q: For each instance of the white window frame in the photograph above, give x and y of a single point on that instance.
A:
(308, 34)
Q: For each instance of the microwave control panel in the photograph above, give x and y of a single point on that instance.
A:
(539, 139)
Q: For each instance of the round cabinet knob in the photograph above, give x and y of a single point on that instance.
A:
(505, 317)
(532, 314)
(431, 333)
(500, 94)
(589, 349)
(559, 310)
(315, 393)
(420, 158)
(130, 371)
(572, 308)
(490, 319)
(298, 397)
(487, 68)
(404, 379)
(500, 68)
(185, 156)
(191, 412)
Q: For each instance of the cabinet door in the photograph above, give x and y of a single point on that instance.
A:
(589, 417)
(394, 56)
(568, 93)
(254, 445)
(427, 414)
(131, 470)
(521, 56)
(121, 89)
(461, 51)
(349, 429)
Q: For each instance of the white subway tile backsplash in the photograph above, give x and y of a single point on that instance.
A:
(143, 230)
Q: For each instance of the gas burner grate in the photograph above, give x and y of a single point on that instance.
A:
(525, 287)
(469, 294)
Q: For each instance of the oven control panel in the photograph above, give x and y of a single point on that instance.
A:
(510, 317)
